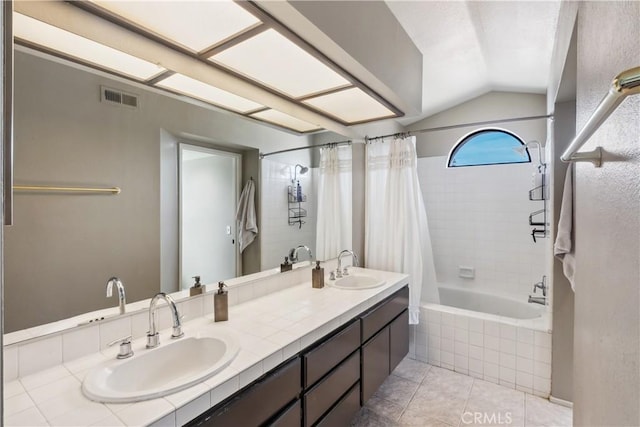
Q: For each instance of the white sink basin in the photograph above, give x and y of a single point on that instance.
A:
(357, 281)
(173, 366)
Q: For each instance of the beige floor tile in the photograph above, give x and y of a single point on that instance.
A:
(412, 370)
(397, 390)
(447, 381)
(540, 412)
(491, 404)
(368, 418)
(385, 408)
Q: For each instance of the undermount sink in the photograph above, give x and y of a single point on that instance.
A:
(171, 367)
(357, 281)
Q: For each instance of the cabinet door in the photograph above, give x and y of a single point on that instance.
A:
(375, 363)
(380, 316)
(290, 417)
(342, 414)
(398, 339)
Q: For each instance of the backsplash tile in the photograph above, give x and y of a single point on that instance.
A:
(38, 355)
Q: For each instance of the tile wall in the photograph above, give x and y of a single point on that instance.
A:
(479, 217)
(277, 236)
(515, 357)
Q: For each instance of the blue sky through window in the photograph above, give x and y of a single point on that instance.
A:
(488, 147)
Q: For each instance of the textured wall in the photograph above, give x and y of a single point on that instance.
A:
(607, 321)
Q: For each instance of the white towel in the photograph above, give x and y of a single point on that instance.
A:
(563, 248)
(246, 216)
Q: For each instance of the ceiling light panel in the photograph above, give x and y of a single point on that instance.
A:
(285, 120)
(196, 25)
(350, 105)
(83, 49)
(277, 62)
(197, 89)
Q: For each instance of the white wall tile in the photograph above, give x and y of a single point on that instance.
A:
(491, 328)
(446, 345)
(507, 375)
(491, 370)
(542, 370)
(39, 355)
(10, 363)
(524, 350)
(542, 354)
(491, 342)
(448, 319)
(476, 325)
(507, 346)
(446, 359)
(508, 332)
(507, 361)
(80, 342)
(461, 348)
(476, 338)
(542, 339)
(524, 365)
(461, 335)
(525, 335)
(476, 352)
(447, 332)
(541, 386)
(434, 329)
(462, 321)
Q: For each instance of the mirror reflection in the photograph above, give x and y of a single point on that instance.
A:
(181, 166)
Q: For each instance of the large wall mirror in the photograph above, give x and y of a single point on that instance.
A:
(63, 247)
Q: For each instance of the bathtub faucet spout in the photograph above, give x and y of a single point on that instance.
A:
(538, 300)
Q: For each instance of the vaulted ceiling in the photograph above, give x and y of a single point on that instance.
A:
(473, 47)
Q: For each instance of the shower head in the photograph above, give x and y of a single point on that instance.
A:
(303, 171)
(521, 150)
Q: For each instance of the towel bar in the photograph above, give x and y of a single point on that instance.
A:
(624, 84)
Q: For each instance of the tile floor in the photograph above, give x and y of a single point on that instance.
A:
(418, 394)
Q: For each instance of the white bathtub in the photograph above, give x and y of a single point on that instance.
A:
(490, 304)
(494, 338)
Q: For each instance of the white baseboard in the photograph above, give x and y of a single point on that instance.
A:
(560, 402)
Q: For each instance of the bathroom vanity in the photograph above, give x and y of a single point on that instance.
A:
(306, 357)
(328, 382)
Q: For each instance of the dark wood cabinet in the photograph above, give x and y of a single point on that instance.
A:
(325, 384)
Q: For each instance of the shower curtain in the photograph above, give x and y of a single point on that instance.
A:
(333, 229)
(396, 230)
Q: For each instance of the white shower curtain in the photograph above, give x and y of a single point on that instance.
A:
(333, 230)
(396, 230)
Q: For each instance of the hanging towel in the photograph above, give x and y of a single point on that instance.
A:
(563, 248)
(246, 216)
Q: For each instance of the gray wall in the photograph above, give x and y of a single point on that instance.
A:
(491, 106)
(63, 248)
(607, 317)
(562, 345)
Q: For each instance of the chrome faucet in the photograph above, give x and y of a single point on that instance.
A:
(293, 253)
(538, 300)
(122, 299)
(153, 337)
(340, 271)
(541, 285)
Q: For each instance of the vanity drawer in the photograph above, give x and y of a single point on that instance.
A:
(260, 401)
(342, 414)
(381, 315)
(322, 359)
(321, 397)
(290, 417)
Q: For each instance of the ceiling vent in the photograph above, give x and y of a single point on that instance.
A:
(115, 96)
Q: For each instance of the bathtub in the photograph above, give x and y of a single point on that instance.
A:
(489, 337)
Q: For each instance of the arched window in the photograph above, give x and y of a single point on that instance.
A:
(488, 147)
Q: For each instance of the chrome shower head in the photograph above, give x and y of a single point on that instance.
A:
(303, 171)
(521, 150)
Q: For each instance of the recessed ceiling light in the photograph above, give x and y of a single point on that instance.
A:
(277, 62)
(351, 105)
(197, 89)
(82, 49)
(195, 25)
(282, 119)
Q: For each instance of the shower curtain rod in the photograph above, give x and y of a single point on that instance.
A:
(329, 144)
(462, 125)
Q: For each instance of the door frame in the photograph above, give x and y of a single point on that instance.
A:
(237, 157)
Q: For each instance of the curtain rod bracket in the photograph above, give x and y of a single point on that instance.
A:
(594, 157)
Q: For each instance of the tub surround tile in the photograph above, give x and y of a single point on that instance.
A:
(542, 339)
(525, 335)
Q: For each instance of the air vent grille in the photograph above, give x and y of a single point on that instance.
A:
(115, 96)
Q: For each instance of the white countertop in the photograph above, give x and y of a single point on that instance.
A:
(269, 329)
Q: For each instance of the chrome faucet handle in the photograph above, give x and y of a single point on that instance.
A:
(345, 271)
(125, 347)
(153, 340)
(332, 275)
(338, 273)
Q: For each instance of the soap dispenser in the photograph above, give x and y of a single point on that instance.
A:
(317, 276)
(286, 266)
(221, 304)
(196, 289)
